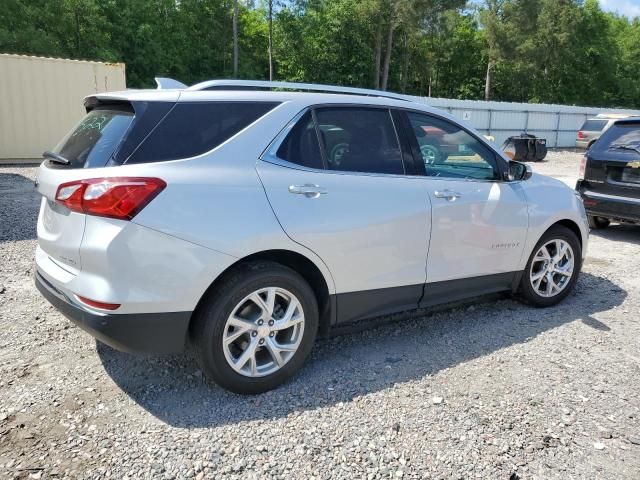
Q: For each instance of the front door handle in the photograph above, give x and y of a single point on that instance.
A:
(309, 190)
(449, 195)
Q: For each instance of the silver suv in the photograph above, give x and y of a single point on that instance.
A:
(593, 128)
(241, 221)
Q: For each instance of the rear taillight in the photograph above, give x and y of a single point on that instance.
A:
(580, 135)
(96, 304)
(583, 167)
(118, 197)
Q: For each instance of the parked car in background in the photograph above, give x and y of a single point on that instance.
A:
(609, 180)
(593, 128)
(242, 223)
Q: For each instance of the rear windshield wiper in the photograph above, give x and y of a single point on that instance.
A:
(54, 157)
(620, 146)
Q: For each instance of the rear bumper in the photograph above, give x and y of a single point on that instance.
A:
(582, 143)
(614, 207)
(148, 333)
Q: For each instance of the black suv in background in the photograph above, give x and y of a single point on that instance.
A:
(609, 180)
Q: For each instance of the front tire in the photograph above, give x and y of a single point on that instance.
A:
(552, 270)
(255, 331)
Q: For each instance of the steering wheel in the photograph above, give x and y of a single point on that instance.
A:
(337, 153)
(430, 154)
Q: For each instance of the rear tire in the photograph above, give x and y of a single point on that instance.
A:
(255, 331)
(597, 223)
(553, 268)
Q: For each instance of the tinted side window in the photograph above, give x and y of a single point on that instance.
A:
(357, 139)
(147, 116)
(449, 151)
(301, 144)
(192, 129)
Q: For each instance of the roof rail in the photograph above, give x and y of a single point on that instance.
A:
(168, 83)
(309, 87)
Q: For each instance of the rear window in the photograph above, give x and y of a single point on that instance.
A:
(621, 135)
(191, 129)
(594, 125)
(92, 142)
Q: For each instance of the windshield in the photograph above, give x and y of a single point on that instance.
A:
(92, 142)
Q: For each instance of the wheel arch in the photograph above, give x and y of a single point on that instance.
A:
(300, 264)
(537, 233)
(571, 225)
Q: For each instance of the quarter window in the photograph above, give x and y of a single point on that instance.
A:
(449, 151)
(301, 144)
(357, 139)
(192, 129)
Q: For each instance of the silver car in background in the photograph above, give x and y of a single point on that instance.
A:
(594, 127)
(241, 221)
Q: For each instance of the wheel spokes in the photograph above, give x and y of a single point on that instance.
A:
(240, 327)
(249, 355)
(266, 305)
(259, 337)
(543, 254)
(276, 350)
(291, 316)
(551, 268)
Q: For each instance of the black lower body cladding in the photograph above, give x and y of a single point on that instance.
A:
(146, 333)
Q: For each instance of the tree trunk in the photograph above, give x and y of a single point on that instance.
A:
(77, 18)
(405, 63)
(235, 38)
(378, 55)
(270, 40)
(387, 54)
(487, 81)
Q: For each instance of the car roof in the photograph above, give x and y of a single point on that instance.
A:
(612, 116)
(630, 120)
(300, 99)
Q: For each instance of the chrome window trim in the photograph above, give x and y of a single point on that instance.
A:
(269, 154)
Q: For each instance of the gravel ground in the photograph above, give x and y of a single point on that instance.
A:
(491, 390)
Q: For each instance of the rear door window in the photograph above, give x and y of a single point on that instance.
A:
(191, 129)
(359, 139)
(92, 142)
(593, 125)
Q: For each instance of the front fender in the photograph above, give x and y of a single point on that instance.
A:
(550, 202)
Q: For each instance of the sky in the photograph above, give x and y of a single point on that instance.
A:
(630, 8)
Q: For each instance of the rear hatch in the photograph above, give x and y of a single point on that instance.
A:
(105, 137)
(613, 163)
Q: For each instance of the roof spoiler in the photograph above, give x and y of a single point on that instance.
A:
(169, 83)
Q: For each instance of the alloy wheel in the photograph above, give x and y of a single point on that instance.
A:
(263, 332)
(552, 268)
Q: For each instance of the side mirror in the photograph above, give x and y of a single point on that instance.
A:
(518, 171)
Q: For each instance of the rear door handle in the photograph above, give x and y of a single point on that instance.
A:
(449, 195)
(309, 190)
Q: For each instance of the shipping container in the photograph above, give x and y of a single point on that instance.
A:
(41, 99)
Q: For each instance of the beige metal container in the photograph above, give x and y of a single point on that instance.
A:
(41, 99)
